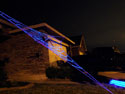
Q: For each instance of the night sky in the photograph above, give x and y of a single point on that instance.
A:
(101, 21)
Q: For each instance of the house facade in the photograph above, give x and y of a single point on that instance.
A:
(28, 60)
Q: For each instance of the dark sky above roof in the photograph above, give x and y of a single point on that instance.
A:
(101, 21)
(76, 39)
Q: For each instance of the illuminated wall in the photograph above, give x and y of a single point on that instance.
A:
(58, 45)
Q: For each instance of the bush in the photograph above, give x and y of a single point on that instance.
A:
(54, 73)
(61, 72)
(51, 72)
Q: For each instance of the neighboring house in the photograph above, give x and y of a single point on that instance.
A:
(79, 48)
(28, 60)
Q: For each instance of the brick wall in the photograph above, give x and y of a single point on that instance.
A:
(27, 59)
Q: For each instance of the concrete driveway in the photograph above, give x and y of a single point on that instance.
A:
(113, 74)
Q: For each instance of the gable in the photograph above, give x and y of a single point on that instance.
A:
(83, 44)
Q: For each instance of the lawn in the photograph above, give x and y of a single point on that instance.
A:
(66, 89)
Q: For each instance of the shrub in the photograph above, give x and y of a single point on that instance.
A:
(51, 72)
(62, 71)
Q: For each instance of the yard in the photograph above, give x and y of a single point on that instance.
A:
(85, 88)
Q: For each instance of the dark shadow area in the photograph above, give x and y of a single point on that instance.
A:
(63, 71)
(101, 59)
(3, 74)
(3, 36)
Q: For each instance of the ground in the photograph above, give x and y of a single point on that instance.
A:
(55, 87)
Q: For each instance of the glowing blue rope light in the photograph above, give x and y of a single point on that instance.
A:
(42, 39)
(117, 83)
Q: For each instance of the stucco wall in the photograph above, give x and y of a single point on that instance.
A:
(60, 49)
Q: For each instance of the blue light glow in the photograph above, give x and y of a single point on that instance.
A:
(117, 83)
(42, 38)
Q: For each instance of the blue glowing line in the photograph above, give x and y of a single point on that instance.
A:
(42, 38)
(117, 83)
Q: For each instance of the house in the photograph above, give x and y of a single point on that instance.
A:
(28, 60)
(79, 48)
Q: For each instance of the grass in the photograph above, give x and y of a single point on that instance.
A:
(65, 89)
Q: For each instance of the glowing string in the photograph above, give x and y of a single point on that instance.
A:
(117, 83)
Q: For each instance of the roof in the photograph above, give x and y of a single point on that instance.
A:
(7, 23)
(48, 29)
